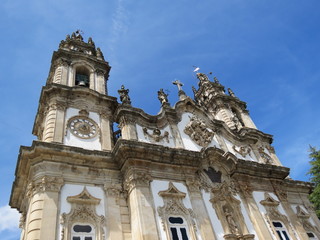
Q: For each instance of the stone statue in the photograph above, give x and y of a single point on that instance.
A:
(231, 222)
(124, 95)
(162, 96)
(215, 79)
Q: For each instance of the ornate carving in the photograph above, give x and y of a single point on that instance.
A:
(83, 210)
(231, 93)
(198, 131)
(242, 150)
(46, 183)
(202, 77)
(135, 179)
(229, 212)
(62, 62)
(273, 214)
(280, 191)
(124, 95)
(265, 156)
(22, 221)
(156, 135)
(173, 206)
(193, 184)
(245, 188)
(100, 72)
(304, 220)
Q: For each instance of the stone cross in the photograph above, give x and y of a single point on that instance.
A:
(179, 84)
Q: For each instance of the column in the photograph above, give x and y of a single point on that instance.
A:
(143, 223)
(128, 128)
(113, 192)
(106, 131)
(59, 130)
(200, 210)
(253, 211)
(42, 216)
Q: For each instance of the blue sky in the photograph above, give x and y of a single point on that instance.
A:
(267, 52)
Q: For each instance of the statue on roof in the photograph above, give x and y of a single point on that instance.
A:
(162, 96)
(124, 95)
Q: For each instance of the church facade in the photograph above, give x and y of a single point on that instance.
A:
(200, 170)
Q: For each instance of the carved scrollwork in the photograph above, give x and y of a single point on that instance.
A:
(83, 210)
(199, 132)
(135, 179)
(156, 135)
(242, 150)
(267, 159)
(46, 183)
(173, 206)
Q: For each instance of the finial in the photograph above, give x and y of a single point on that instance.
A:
(77, 35)
(215, 79)
(231, 93)
(90, 41)
(124, 95)
(163, 97)
(99, 54)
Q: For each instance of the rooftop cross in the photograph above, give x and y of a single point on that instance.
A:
(178, 83)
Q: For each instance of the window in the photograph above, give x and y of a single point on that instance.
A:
(178, 228)
(311, 235)
(82, 232)
(281, 231)
(82, 77)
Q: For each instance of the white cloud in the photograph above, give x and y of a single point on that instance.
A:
(9, 218)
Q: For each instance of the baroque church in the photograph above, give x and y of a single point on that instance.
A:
(199, 170)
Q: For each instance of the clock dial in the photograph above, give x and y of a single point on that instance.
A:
(83, 127)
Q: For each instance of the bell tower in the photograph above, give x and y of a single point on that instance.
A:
(70, 110)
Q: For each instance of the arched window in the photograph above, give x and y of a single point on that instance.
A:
(82, 77)
(82, 232)
(281, 231)
(178, 228)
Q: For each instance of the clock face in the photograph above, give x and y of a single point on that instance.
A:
(83, 127)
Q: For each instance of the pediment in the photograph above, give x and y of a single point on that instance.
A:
(269, 201)
(301, 213)
(172, 192)
(84, 198)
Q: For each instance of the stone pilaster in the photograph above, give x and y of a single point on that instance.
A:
(106, 131)
(128, 128)
(143, 223)
(100, 81)
(43, 208)
(59, 122)
(113, 193)
(253, 211)
(200, 210)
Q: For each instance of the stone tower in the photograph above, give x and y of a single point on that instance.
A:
(197, 171)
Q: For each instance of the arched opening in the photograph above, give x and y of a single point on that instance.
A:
(178, 228)
(82, 77)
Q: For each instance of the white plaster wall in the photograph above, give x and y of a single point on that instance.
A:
(71, 140)
(156, 187)
(215, 222)
(247, 218)
(163, 142)
(250, 157)
(73, 190)
(187, 141)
